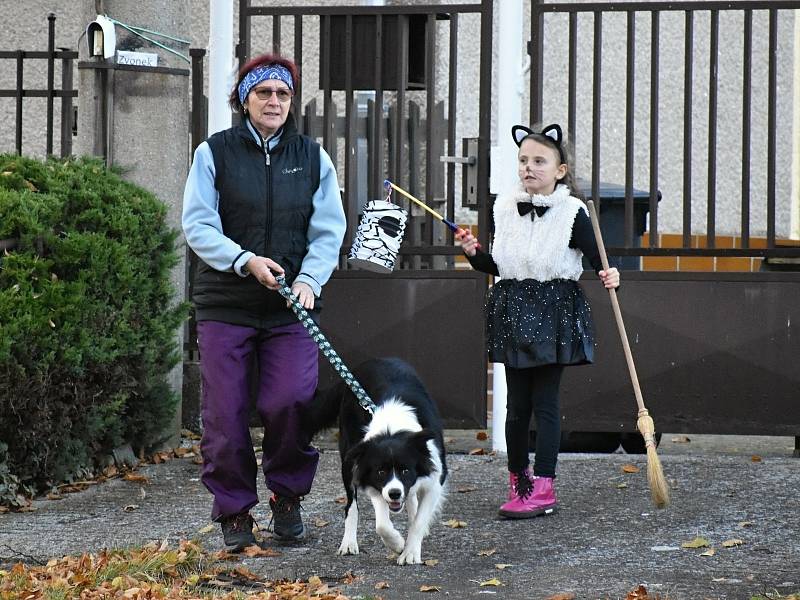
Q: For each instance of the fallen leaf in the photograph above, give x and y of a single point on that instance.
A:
(464, 490)
(744, 524)
(314, 581)
(622, 486)
(640, 593)
(681, 439)
(502, 566)
(709, 552)
(476, 452)
(630, 469)
(207, 529)
(698, 542)
(431, 562)
(130, 507)
(494, 581)
(340, 500)
(255, 550)
(455, 524)
(429, 588)
(320, 522)
(733, 542)
(755, 458)
(382, 585)
(54, 496)
(481, 436)
(137, 477)
(488, 552)
(562, 596)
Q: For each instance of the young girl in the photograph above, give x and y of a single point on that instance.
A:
(537, 318)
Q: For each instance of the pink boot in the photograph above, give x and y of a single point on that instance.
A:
(530, 499)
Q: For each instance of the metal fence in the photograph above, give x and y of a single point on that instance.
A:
(66, 93)
(593, 13)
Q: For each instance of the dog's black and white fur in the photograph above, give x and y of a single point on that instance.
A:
(396, 456)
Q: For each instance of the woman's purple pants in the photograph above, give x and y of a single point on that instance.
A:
(287, 361)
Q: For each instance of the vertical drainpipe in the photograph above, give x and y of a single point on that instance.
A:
(508, 103)
(220, 64)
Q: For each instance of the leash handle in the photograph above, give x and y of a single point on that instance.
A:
(325, 346)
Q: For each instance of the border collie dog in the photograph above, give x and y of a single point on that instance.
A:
(395, 456)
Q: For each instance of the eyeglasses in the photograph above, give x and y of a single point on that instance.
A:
(266, 93)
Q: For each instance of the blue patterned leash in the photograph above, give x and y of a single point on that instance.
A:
(325, 346)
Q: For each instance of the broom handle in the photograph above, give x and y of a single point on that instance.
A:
(615, 305)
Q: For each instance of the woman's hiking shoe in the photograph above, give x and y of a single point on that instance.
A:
(530, 498)
(237, 531)
(286, 520)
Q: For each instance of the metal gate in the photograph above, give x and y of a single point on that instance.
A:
(379, 90)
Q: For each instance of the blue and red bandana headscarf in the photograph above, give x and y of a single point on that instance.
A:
(262, 73)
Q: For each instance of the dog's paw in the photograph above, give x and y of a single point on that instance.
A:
(348, 546)
(410, 556)
(392, 539)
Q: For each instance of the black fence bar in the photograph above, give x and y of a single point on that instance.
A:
(297, 99)
(484, 126)
(688, 73)
(572, 81)
(597, 68)
(401, 83)
(772, 111)
(630, 124)
(276, 34)
(713, 91)
(747, 93)
(199, 111)
(67, 116)
(327, 95)
(243, 47)
(430, 103)
(452, 91)
(18, 134)
(376, 152)
(51, 49)
(350, 199)
(536, 51)
(654, 89)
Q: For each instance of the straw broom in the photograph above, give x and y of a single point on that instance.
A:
(659, 490)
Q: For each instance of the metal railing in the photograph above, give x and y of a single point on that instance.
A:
(66, 93)
(653, 12)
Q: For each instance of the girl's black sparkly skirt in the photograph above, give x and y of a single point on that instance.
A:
(531, 323)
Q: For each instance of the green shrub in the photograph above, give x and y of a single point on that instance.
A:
(87, 319)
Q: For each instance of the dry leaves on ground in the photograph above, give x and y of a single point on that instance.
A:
(157, 572)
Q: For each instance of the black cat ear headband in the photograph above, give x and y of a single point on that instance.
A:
(520, 132)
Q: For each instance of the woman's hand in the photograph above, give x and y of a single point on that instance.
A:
(304, 294)
(610, 277)
(469, 243)
(264, 270)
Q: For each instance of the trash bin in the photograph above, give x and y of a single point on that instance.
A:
(612, 218)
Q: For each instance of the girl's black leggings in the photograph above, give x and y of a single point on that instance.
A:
(533, 390)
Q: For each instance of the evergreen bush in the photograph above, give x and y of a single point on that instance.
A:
(87, 320)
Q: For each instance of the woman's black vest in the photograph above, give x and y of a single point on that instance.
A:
(265, 206)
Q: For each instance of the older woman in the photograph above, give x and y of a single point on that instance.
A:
(261, 200)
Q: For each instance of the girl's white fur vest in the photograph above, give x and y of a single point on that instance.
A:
(537, 248)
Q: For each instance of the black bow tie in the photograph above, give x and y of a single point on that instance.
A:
(525, 207)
